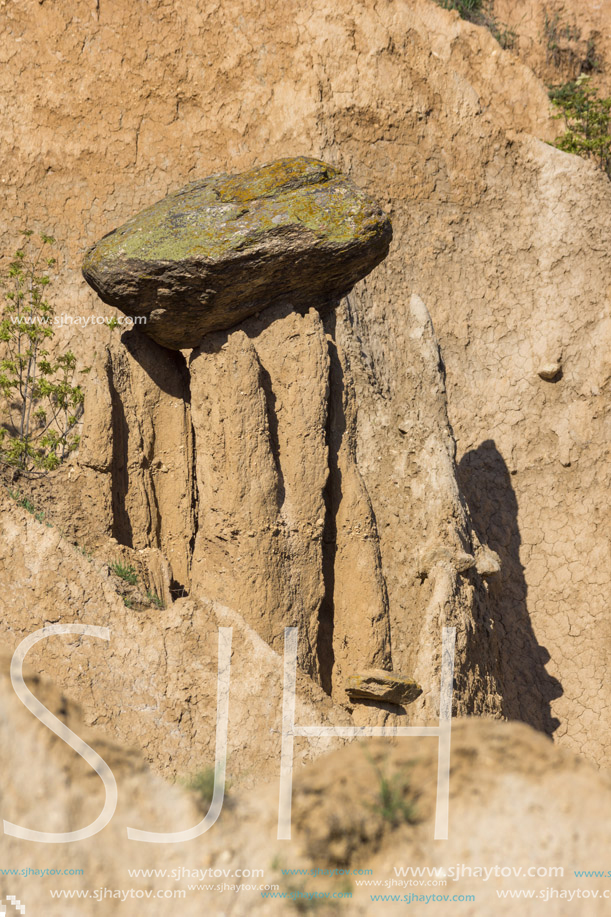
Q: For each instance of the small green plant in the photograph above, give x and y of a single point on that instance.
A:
(202, 783)
(127, 602)
(587, 119)
(42, 405)
(395, 800)
(154, 599)
(125, 572)
(506, 36)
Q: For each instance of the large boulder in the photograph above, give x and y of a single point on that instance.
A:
(206, 257)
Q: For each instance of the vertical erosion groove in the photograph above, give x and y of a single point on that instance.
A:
(121, 523)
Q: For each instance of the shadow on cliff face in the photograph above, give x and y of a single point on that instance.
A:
(167, 368)
(528, 689)
(336, 427)
(121, 523)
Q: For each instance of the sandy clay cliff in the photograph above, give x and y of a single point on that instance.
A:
(367, 459)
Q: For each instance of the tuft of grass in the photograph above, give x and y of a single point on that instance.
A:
(504, 34)
(125, 572)
(480, 12)
(202, 783)
(26, 504)
(564, 48)
(558, 34)
(154, 599)
(297, 893)
(298, 898)
(395, 800)
(467, 9)
(392, 804)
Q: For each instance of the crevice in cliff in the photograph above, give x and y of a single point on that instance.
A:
(180, 590)
(274, 442)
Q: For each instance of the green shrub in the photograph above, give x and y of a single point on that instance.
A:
(42, 406)
(587, 120)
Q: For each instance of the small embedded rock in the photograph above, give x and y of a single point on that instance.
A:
(442, 555)
(549, 371)
(377, 684)
(487, 562)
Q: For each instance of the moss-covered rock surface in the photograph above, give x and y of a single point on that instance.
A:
(222, 248)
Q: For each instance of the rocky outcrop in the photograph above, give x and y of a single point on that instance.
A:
(260, 404)
(227, 246)
(278, 516)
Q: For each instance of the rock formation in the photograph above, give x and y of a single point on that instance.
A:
(285, 532)
(240, 472)
(267, 463)
(136, 454)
